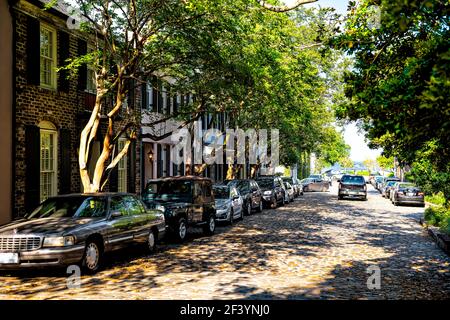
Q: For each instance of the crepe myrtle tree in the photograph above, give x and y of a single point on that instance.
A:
(130, 42)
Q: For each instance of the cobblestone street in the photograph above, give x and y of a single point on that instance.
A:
(315, 248)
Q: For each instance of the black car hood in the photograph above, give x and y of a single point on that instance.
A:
(151, 204)
(44, 226)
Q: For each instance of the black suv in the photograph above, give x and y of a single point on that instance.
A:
(273, 190)
(187, 201)
(250, 192)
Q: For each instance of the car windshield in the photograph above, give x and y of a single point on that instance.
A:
(315, 176)
(168, 191)
(307, 180)
(221, 192)
(265, 183)
(379, 179)
(70, 207)
(390, 183)
(353, 179)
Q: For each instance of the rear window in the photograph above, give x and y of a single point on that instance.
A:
(353, 179)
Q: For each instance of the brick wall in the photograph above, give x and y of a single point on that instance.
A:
(35, 104)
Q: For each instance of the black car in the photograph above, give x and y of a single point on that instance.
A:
(273, 191)
(250, 192)
(78, 229)
(298, 188)
(352, 186)
(407, 193)
(187, 201)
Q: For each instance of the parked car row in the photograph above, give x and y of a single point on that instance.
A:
(81, 228)
(398, 192)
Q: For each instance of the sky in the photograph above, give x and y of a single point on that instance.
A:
(359, 149)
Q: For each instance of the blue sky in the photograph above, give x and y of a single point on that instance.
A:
(359, 149)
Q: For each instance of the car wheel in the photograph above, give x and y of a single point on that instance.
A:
(260, 207)
(340, 197)
(210, 226)
(93, 257)
(230, 221)
(395, 203)
(242, 214)
(151, 241)
(249, 208)
(181, 230)
(274, 203)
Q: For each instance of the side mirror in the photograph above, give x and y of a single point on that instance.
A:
(116, 214)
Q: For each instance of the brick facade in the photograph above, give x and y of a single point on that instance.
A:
(65, 109)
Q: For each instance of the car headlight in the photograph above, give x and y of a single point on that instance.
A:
(160, 208)
(59, 241)
(267, 193)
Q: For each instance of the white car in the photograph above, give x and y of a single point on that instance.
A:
(290, 193)
(229, 203)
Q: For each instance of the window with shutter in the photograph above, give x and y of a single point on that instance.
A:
(48, 160)
(47, 56)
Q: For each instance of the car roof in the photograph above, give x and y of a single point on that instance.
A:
(181, 178)
(95, 194)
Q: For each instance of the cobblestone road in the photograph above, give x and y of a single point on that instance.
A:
(315, 248)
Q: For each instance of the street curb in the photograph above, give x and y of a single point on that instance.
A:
(442, 240)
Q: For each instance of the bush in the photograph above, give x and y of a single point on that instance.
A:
(438, 216)
(437, 198)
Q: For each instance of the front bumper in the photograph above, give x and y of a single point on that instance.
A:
(47, 257)
(223, 215)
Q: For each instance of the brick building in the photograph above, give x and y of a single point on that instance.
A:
(50, 109)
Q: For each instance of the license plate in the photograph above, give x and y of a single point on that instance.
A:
(410, 194)
(9, 258)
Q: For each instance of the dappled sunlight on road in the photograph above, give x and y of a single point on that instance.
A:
(317, 247)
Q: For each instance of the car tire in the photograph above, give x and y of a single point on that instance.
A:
(260, 207)
(210, 226)
(93, 257)
(249, 208)
(340, 197)
(274, 203)
(181, 230)
(395, 203)
(230, 221)
(151, 241)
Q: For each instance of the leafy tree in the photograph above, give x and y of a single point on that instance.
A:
(386, 163)
(399, 84)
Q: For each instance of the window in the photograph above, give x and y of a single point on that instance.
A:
(122, 168)
(48, 160)
(149, 93)
(48, 57)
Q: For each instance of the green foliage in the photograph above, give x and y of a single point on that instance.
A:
(437, 198)
(399, 88)
(386, 163)
(438, 216)
(363, 172)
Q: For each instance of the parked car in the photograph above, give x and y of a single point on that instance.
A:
(228, 203)
(407, 193)
(376, 180)
(352, 186)
(387, 179)
(315, 184)
(298, 189)
(290, 193)
(187, 201)
(78, 229)
(386, 189)
(273, 191)
(250, 192)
